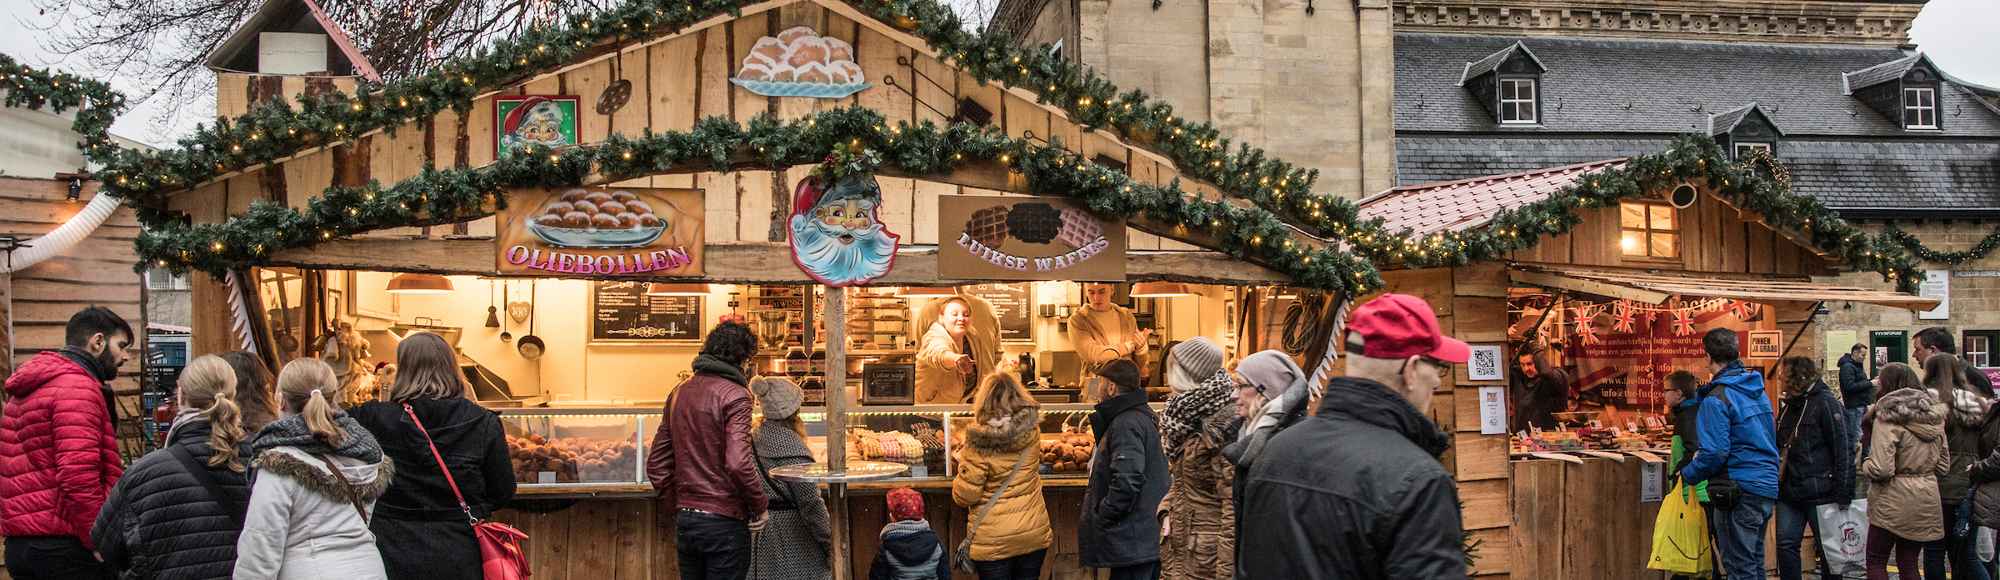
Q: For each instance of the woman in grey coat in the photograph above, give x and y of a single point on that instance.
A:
(796, 541)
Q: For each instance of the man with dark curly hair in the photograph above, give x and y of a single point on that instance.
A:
(701, 463)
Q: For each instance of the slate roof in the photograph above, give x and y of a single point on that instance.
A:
(1470, 203)
(1662, 87)
(1726, 121)
(1878, 74)
(1849, 175)
(1492, 62)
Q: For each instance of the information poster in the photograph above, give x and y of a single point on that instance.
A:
(622, 313)
(1936, 284)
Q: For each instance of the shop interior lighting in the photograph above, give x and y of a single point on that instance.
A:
(925, 292)
(666, 289)
(1159, 290)
(419, 284)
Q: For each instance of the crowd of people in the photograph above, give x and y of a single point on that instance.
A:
(1921, 442)
(260, 476)
(1353, 490)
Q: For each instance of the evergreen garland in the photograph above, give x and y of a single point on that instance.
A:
(1916, 246)
(95, 103)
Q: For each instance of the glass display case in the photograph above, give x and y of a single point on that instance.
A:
(578, 447)
(910, 435)
(1066, 441)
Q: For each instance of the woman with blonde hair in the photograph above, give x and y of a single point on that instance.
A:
(177, 512)
(999, 467)
(422, 531)
(318, 476)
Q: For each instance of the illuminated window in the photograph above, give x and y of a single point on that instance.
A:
(1650, 230)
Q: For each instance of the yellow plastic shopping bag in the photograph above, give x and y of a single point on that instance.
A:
(1680, 537)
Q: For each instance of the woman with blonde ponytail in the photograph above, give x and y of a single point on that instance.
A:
(177, 512)
(318, 474)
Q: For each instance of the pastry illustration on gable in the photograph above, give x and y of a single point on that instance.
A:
(800, 63)
(584, 218)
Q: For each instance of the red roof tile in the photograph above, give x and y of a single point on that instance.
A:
(1452, 206)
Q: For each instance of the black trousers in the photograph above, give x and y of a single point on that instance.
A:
(712, 547)
(1023, 567)
(1146, 571)
(54, 558)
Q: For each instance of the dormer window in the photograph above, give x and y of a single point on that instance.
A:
(1905, 91)
(1517, 101)
(1744, 130)
(1920, 108)
(1508, 84)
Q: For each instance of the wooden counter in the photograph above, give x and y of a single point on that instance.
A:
(623, 534)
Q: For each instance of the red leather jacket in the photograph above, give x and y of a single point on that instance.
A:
(58, 456)
(700, 458)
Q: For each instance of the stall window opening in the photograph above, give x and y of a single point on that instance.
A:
(1650, 230)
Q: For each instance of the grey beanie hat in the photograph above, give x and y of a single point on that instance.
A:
(1272, 372)
(1198, 358)
(778, 396)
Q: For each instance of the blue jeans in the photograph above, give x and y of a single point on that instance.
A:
(1792, 523)
(1965, 564)
(1853, 417)
(1739, 536)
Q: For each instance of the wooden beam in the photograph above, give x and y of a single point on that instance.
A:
(750, 262)
(1587, 287)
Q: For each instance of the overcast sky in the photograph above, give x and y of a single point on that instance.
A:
(1954, 33)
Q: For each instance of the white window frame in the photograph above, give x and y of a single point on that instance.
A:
(1977, 351)
(1745, 148)
(1925, 106)
(1517, 105)
(161, 279)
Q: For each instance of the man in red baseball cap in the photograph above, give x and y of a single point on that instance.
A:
(1356, 492)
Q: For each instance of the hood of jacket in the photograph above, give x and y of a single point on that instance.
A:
(1742, 380)
(1372, 402)
(1967, 408)
(706, 364)
(1108, 410)
(1014, 432)
(43, 368)
(1817, 388)
(1915, 410)
(366, 479)
(910, 542)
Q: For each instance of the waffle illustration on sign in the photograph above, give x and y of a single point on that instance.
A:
(1034, 223)
(989, 226)
(1078, 228)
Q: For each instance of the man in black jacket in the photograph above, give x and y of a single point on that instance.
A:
(1857, 391)
(1128, 478)
(1356, 492)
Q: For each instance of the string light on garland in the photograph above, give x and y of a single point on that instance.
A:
(1915, 246)
(96, 105)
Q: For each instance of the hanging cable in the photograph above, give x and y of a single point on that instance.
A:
(1303, 323)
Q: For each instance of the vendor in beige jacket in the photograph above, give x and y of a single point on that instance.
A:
(1103, 332)
(955, 352)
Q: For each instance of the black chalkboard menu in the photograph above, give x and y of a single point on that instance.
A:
(621, 312)
(888, 384)
(1013, 304)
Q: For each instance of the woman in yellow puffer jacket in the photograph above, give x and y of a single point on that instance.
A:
(1014, 538)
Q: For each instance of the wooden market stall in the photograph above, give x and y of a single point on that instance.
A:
(318, 240)
(1628, 290)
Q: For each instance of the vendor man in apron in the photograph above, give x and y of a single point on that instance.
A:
(1103, 332)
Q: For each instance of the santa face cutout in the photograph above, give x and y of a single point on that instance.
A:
(836, 235)
(537, 120)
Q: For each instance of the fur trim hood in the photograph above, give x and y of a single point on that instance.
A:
(368, 479)
(1014, 433)
(1967, 407)
(1915, 410)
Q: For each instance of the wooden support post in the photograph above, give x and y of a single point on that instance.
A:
(6, 324)
(836, 425)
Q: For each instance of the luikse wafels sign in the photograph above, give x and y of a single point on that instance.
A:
(994, 237)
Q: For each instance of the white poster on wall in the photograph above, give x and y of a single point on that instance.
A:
(1493, 410)
(1485, 364)
(1652, 481)
(1937, 284)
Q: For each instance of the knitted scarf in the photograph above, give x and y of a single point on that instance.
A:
(1187, 411)
(291, 431)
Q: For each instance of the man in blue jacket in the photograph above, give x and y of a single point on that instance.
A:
(1739, 450)
(1857, 391)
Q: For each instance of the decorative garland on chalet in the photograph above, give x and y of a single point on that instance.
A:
(1915, 246)
(95, 103)
(1281, 194)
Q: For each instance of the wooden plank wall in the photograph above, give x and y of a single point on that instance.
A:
(1714, 238)
(633, 539)
(675, 82)
(97, 272)
(1581, 522)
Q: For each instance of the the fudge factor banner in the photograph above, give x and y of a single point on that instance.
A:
(1623, 351)
(601, 231)
(992, 237)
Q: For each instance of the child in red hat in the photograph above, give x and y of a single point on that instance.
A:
(910, 549)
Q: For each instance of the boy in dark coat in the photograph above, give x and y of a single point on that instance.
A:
(1128, 478)
(910, 549)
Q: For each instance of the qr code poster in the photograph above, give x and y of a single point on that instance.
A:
(1485, 364)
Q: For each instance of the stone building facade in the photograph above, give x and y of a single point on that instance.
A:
(1307, 80)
